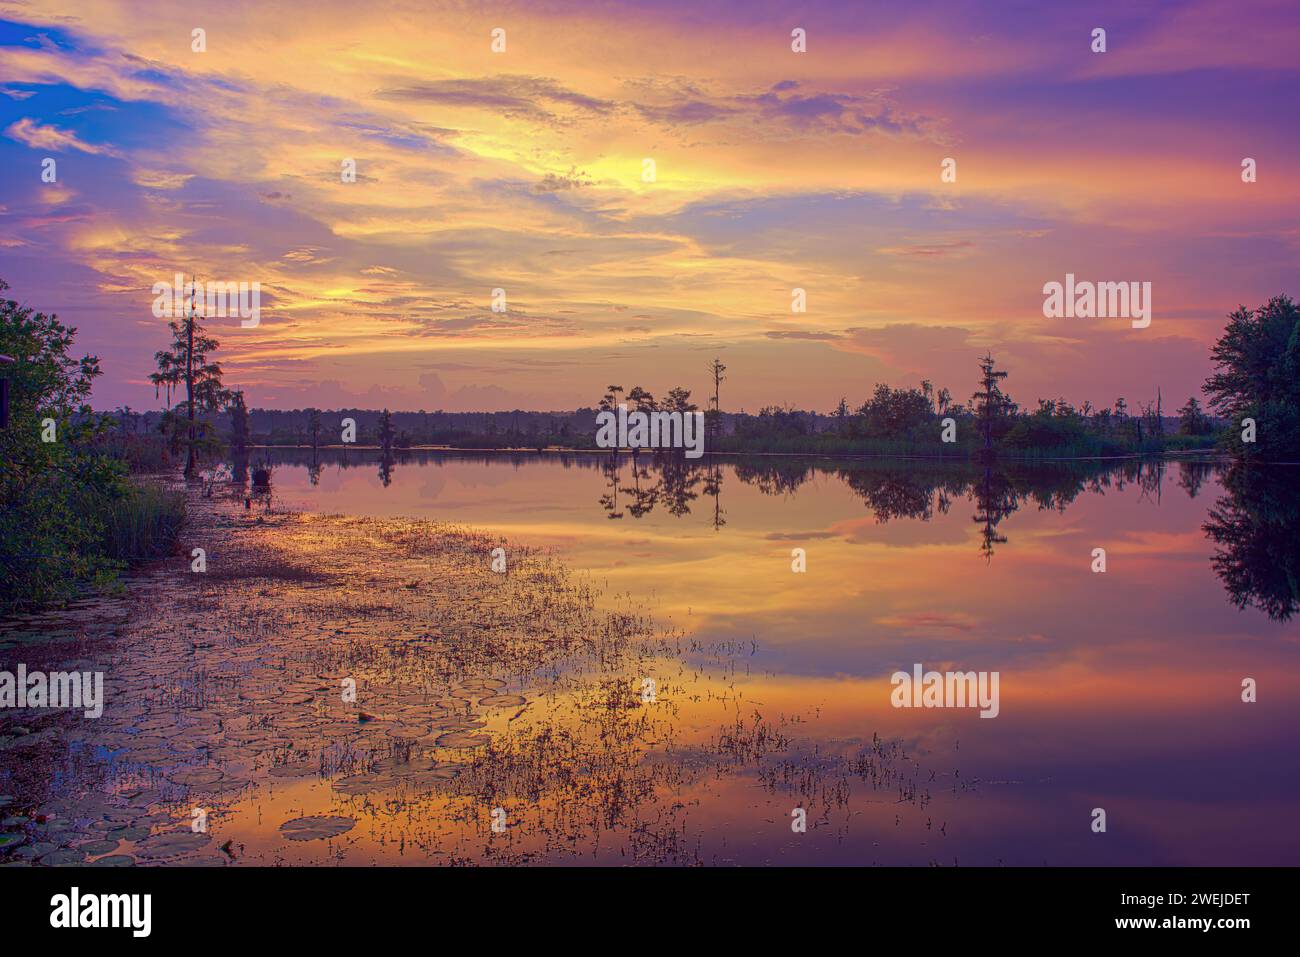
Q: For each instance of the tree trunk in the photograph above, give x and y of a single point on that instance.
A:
(190, 461)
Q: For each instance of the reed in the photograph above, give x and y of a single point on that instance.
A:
(143, 523)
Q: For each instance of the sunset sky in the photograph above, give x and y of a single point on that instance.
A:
(523, 170)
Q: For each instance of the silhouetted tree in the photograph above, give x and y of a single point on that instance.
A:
(186, 364)
(990, 405)
(1192, 419)
(1258, 376)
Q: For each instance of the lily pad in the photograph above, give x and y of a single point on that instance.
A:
(197, 777)
(502, 701)
(462, 739)
(171, 844)
(96, 848)
(64, 855)
(129, 833)
(294, 770)
(482, 684)
(363, 783)
(432, 776)
(33, 851)
(315, 827)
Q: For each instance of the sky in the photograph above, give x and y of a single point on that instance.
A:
(523, 170)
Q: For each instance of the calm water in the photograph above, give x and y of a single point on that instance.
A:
(1119, 691)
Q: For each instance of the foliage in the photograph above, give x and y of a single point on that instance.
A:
(53, 494)
(894, 413)
(1192, 419)
(1258, 377)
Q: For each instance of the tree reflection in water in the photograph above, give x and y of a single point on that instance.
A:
(1255, 525)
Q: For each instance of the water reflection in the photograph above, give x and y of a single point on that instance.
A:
(1255, 524)
(1255, 527)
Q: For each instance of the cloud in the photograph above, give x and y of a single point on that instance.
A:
(555, 182)
(512, 96)
(797, 334)
(686, 113)
(32, 133)
(929, 249)
(160, 179)
(836, 112)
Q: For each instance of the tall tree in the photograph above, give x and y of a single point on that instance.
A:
(714, 415)
(1192, 420)
(609, 402)
(186, 364)
(991, 405)
(642, 401)
(678, 400)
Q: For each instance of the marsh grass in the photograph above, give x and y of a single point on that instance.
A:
(144, 523)
(140, 453)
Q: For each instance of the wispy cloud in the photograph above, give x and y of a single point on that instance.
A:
(38, 136)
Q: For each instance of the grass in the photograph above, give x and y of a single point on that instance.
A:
(140, 452)
(144, 523)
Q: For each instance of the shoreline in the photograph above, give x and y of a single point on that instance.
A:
(1215, 454)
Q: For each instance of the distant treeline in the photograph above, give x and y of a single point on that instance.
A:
(892, 422)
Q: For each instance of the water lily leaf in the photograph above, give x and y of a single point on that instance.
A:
(462, 739)
(363, 783)
(502, 701)
(294, 770)
(64, 855)
(197, 777)
(316, 827)
(171, 844)
(96, 848)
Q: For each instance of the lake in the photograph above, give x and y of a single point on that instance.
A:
(1119, 690)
